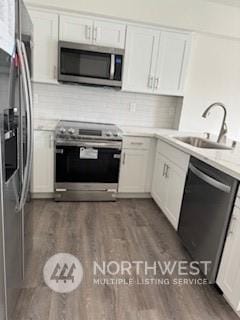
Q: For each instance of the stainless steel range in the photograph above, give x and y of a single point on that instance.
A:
(87, 161)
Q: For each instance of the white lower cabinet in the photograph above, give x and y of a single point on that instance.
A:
(136, 165)
(169, 180)
(43, 162)
(229, 273)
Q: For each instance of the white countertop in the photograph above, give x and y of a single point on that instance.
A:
(227, 161)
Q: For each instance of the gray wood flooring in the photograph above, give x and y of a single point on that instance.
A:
(124, 230)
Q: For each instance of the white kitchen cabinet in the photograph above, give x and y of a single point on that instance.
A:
(109, 34)
(172, 63)
(43, 162)
(100, 32)
(133, 170)
(175, 182)
(45, 44)
(140, 59)
(136, 165)
(75, 29)
(155, 61)
(169, 177)
(229, 273)
(159, 181)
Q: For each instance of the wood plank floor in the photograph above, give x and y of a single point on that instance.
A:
(124, 230)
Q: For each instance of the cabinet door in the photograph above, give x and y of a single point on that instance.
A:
(45, 35)
(140, 59)
(229, 273)
(175, 182)
(133, 170)
(43, 162)
(159, 180)
(109, 34)
(76, 29)
(171, 64)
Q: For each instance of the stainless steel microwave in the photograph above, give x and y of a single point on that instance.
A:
(90, 64)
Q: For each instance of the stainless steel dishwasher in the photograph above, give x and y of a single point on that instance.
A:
(205, 214)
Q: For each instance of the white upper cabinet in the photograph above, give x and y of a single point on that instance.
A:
(45, 39)
(172, 63)
(109, 34)
(140, 59)
(92, 31)
(75, 29)
(155, 61)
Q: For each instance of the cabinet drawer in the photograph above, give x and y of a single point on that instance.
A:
(136, 143)
(180, 158)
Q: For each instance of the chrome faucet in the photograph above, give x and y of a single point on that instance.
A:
(223, 130)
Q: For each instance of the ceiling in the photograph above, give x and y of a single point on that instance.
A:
(234, 3)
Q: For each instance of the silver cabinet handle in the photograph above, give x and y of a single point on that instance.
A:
(88, 32)
(55, 72)
(28, 100)
(124, 158)
(95, 34)
(232, 225)
(150, 82)
(137, 143)
(167, 170)
(213, 182)
(164, 169)
(156, 83)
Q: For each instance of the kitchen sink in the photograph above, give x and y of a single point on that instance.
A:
(202, 143)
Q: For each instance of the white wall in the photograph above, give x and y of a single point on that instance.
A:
(197, 15)
(103, 105)
(214, 75)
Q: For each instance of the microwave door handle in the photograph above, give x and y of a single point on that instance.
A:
(112, 68)
(213, 182)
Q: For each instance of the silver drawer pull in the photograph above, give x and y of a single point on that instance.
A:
(137, 143)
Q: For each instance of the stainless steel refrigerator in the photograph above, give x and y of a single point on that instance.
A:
(15, 158)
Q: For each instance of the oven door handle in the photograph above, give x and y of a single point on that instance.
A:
(99, 145)
(213, 182)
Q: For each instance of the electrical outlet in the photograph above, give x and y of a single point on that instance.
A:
(132, 107)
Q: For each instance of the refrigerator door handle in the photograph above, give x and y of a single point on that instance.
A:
(28, 99)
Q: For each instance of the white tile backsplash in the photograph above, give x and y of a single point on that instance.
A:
(74, 102)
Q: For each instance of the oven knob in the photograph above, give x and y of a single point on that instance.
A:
(108, 134)
(62, 130)
(71, 131)
(116, 134)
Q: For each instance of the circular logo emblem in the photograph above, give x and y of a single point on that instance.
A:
(63, 273)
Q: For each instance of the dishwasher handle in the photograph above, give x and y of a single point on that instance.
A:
(213, 182)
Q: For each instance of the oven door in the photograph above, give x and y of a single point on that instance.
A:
(87, 166)
(88, 64)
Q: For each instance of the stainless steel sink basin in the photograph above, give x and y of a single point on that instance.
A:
(202, 143)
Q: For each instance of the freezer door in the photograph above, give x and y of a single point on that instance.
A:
(10, 176)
